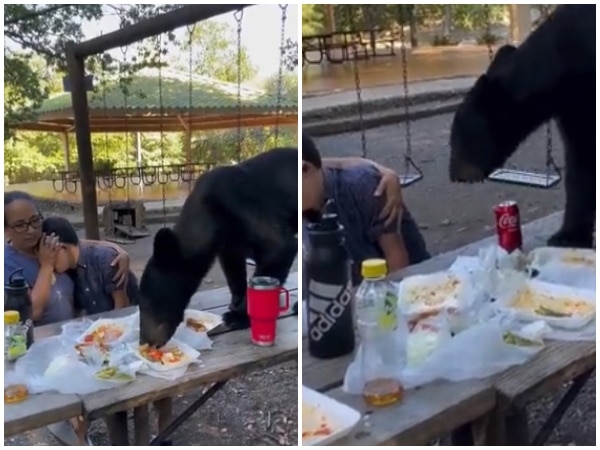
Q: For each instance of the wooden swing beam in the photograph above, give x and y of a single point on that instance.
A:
(76, 54)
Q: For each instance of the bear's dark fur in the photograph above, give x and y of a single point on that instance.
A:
(249, 210)
(552, 74)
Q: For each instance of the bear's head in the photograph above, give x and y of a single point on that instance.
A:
(166, 287)
(483, 133)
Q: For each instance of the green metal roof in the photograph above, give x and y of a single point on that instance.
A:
(208, 95)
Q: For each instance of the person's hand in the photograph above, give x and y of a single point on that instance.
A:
(47, 250)
(122, 262)
(389, 186)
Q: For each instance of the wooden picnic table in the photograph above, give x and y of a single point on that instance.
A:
(488, 412)
(233, 354)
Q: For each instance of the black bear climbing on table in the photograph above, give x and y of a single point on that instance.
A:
(249, 210)
(552, 74)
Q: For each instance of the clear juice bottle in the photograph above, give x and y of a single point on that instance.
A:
(382, 335)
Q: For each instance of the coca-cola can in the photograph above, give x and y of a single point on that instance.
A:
(508, 226)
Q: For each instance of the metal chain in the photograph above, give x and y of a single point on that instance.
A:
(280, 75)
(549, 143)
(124, 51)
(359, 100)
(408, 151)
(162, 132)
(190, 30)
(105, 106)
(239, 16)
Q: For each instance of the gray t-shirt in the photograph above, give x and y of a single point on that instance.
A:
(60, 304)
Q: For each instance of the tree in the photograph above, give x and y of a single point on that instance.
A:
(215, 53)
(45, 30)
(290, 57)
(289, 85)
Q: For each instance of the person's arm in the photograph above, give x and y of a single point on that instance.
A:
(121, 299)
(387, 235)
(117, 291)
(394, 251)
(42, 287)
(388, 187)
(121, 261)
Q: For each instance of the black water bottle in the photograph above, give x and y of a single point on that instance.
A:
(17, 298)
(330, 297)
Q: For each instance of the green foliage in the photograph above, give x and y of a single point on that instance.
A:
(215, 53)
(312, 19)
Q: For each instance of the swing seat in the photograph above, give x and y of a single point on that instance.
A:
(409, 179)
(524, 178)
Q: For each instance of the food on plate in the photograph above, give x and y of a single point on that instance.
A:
(424, 338)
(513, 339)
(575, 259)
(435, 294)
(314, 422)
(104, 334)
(551, 306)
(169, 355)
(15, 393)
(112, 373)
(196, 325)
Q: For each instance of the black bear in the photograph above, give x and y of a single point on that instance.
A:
(248, 210)
(552, 74)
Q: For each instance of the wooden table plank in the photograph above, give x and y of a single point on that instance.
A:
(233, 354)
(40, 410)
(425, 413)
(557, 364)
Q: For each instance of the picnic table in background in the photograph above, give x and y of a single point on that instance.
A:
(233, 354)
(482, 412)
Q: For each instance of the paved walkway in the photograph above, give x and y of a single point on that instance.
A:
(326, 101)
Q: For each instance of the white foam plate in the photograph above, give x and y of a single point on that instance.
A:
(551, 290)
(191, 356)
(340, 417)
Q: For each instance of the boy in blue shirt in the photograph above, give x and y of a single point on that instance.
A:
(367, 234)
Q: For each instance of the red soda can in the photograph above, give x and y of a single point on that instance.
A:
(508, 226)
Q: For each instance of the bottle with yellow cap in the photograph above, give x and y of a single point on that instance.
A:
(383, 335)
(15, 336)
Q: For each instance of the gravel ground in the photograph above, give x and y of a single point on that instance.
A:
(450, 216)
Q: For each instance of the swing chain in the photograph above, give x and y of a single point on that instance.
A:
(239, 15)
(190, 30)
(124, 63)
(280, 75)
(359, 100)
(162, 132)
(105, 106)
(408, 153)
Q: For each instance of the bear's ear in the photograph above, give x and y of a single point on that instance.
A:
(503, 57)
(167, 252)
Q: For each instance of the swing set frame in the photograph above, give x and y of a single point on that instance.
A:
(76, 54)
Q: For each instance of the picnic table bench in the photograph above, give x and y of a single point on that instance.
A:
(232, 355)
(485, 412)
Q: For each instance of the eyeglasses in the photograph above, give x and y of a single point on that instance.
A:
(22, 227)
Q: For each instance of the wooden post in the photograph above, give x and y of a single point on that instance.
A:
(75, 65)
(67, 151)
(329, 19)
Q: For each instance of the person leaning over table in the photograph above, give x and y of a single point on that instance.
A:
(28, 249)
(368, 200)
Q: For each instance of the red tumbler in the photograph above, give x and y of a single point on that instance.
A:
(264, 306)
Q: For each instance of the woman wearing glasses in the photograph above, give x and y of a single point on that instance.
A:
(28, 250)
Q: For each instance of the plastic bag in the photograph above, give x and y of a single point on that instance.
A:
(478, 352)
(197, 340)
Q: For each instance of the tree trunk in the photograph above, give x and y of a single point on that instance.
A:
(412, 23)
(447, 21)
